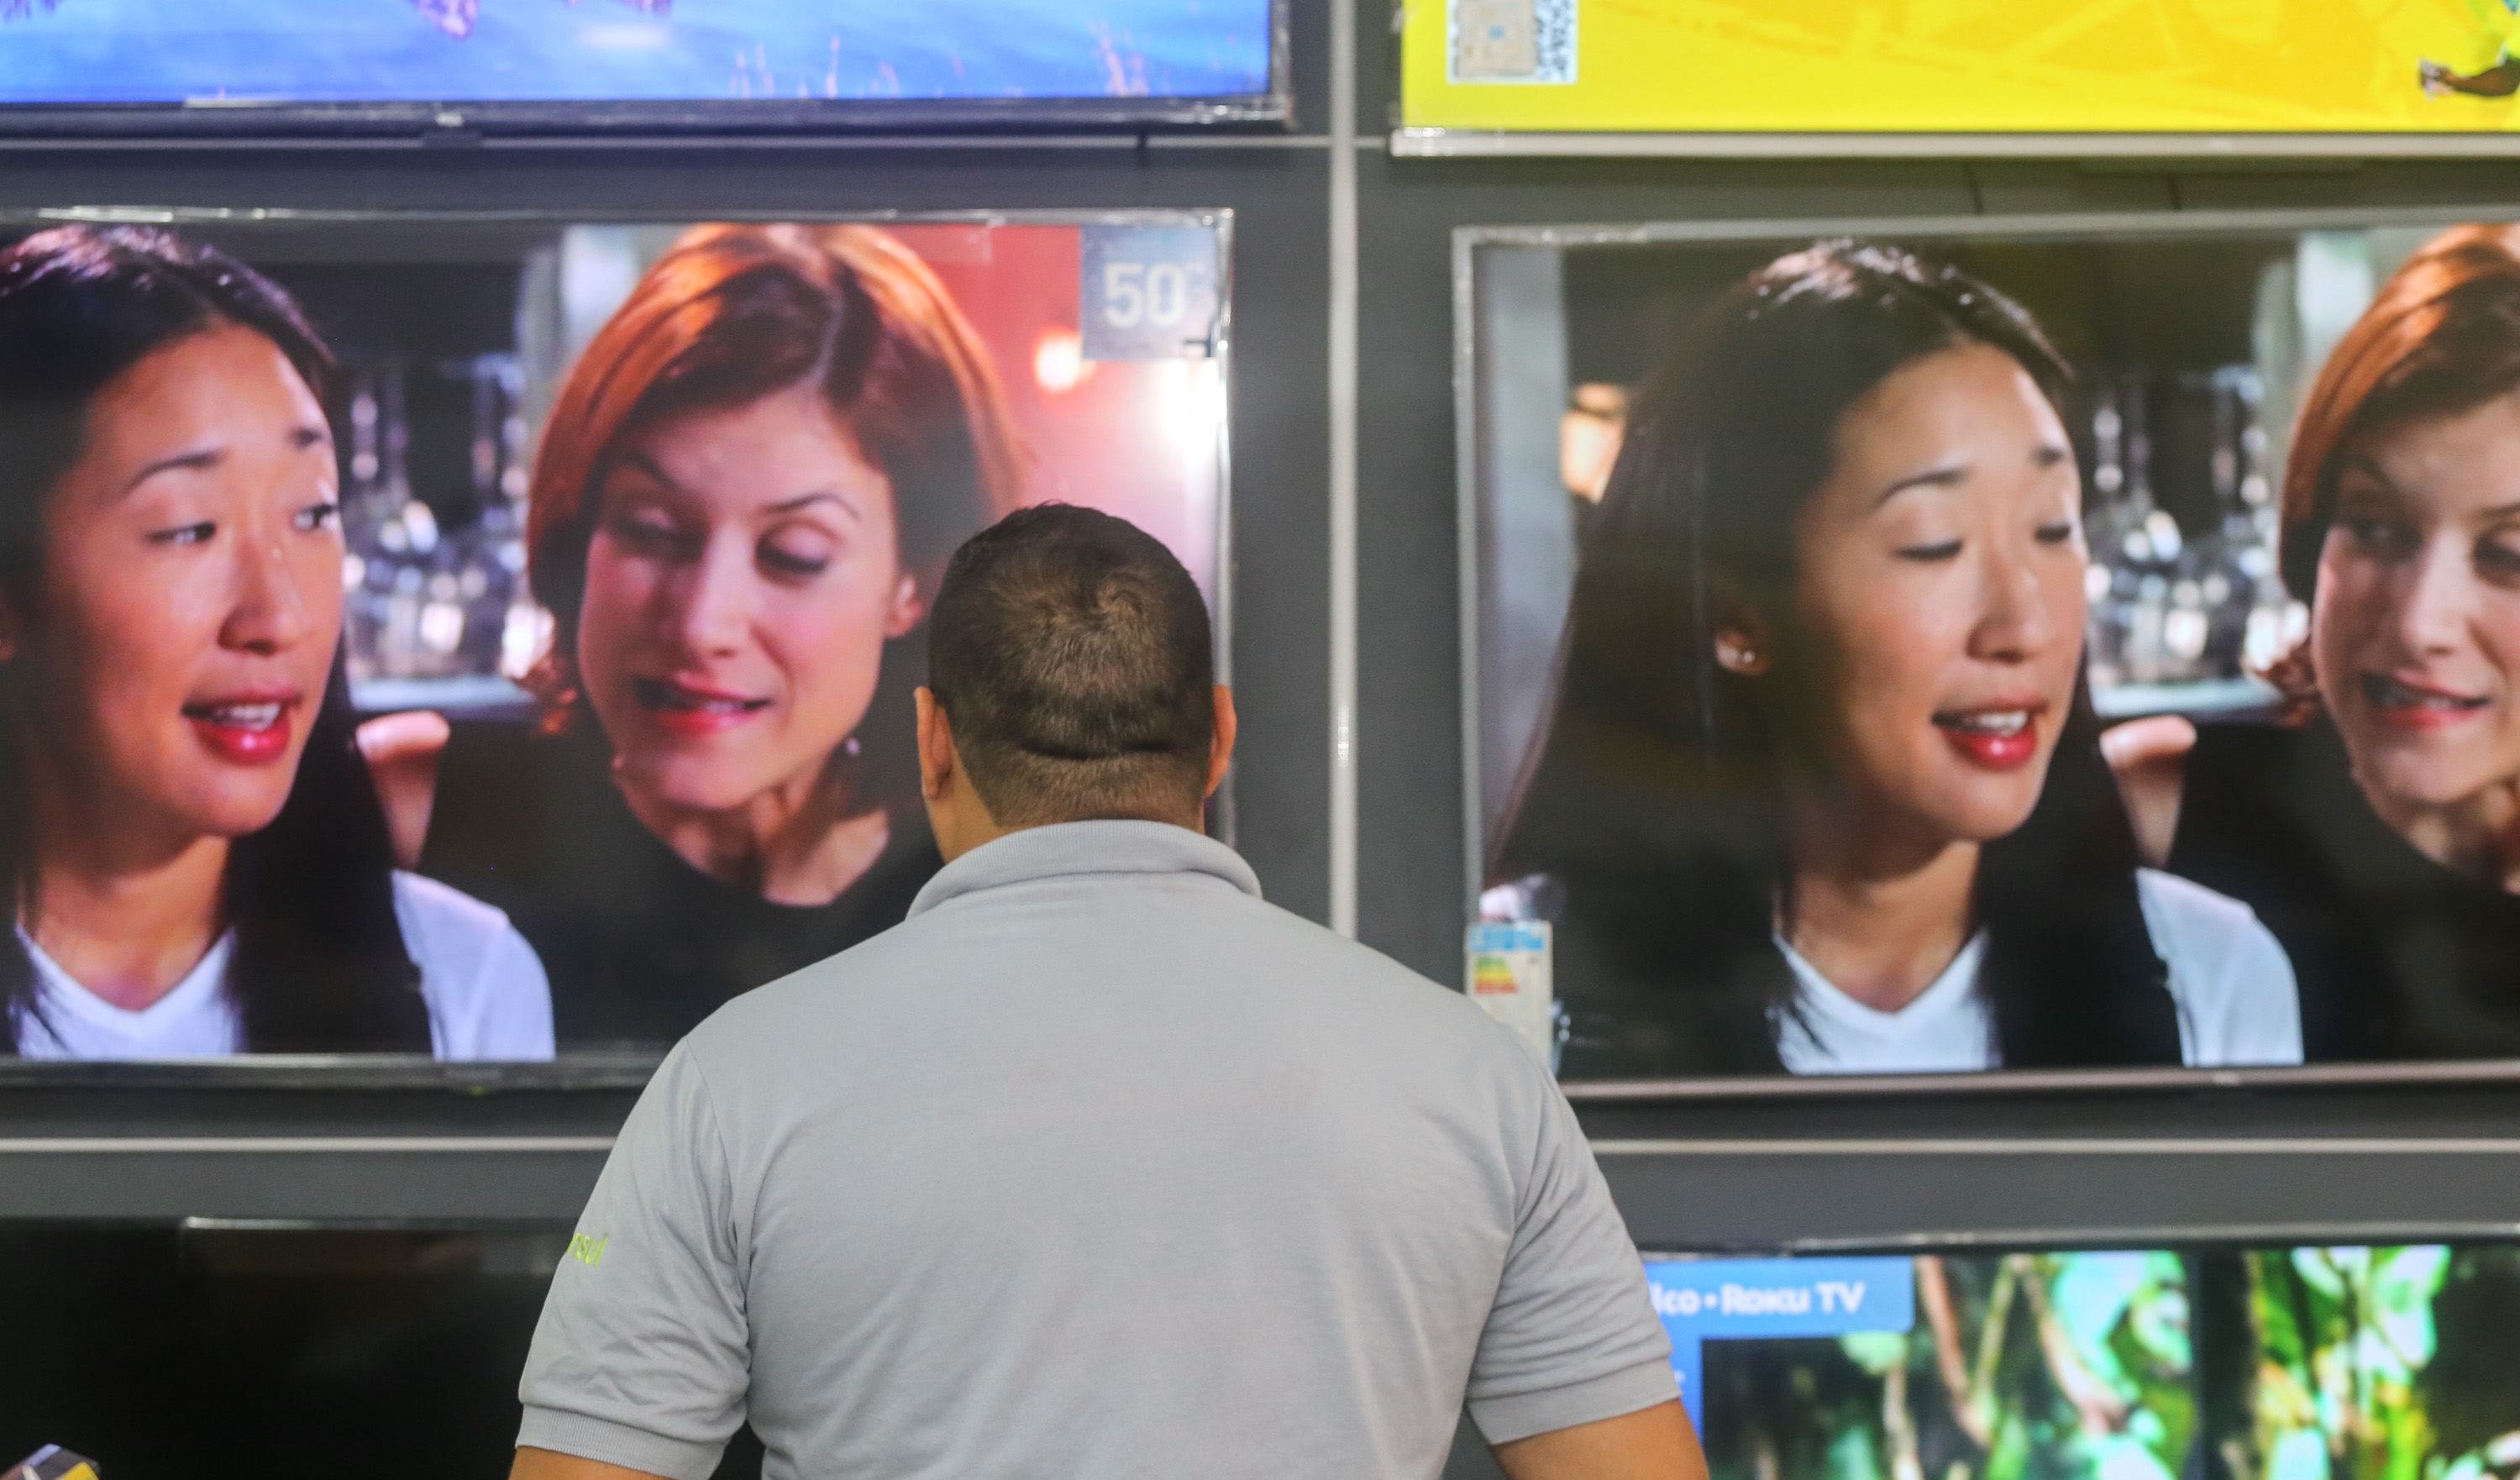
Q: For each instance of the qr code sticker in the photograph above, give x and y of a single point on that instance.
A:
(1513, 40)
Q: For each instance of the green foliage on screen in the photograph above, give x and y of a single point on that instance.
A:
(2327, 1363)
(2024, 1366)
(2386, 1364)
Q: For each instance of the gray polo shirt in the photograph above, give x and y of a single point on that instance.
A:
(1097, 1166)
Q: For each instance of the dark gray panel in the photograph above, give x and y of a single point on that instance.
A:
(1527, 552)
(362, 1183)
(1469, 1459)
(2160, 1156)
(2009, 1195)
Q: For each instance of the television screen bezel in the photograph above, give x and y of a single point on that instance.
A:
(2379, 1232)
(1789, 231)
(627, 120)
(605, 1070)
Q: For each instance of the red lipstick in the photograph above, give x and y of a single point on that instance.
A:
(248, 729)
(1995, 739)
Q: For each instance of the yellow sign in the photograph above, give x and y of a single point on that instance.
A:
(1961, 66)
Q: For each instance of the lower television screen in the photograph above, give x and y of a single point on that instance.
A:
(492, 638)
(1997, 1365)
(395, 1352)
(2310, 1363)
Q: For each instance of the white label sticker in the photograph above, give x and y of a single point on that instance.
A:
(1511, 41)
(1508, 970)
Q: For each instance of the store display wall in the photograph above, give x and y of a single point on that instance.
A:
(1409, 752)
(2159, 1168)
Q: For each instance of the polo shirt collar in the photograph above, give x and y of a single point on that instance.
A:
(1069, 849)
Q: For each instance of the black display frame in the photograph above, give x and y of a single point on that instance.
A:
(322, 1076)
(1471, 512)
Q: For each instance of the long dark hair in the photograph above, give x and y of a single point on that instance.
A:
(319, 963)
(1655, 799)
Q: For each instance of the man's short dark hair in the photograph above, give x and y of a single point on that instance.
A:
(1072, 653)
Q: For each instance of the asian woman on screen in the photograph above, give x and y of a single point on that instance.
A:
(2378, 830)
(198, 862)
(1819, 791)
(745, 491)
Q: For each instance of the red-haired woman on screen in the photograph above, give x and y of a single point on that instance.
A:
(2379, 834)
(746, 488)
(197, 862)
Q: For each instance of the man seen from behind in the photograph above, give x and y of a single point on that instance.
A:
(1097, 1166)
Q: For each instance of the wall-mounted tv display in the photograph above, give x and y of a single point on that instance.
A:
(490, 638)
(1934, 647)
(126, 67)
(2000, 1366)
(2291, 1362)
(1968, 76)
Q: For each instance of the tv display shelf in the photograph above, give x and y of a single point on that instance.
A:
(2137, 1157)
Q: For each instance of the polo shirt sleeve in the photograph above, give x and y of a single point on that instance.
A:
(642, 1357)
(1572, 1338)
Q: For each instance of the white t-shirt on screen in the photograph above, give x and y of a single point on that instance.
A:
(2230, 981)
(486, 992)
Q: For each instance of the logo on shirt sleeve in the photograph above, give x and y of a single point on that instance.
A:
(587, 1250)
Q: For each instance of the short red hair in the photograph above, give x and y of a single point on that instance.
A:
(732, 313)
(2442, 337)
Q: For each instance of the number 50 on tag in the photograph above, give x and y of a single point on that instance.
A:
(1148, 293)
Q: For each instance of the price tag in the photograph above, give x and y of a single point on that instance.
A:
(1511, 42)
(1149, 294)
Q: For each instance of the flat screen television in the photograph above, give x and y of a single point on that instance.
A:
(121, 68)
(2221, 1360)
(2061, 1364)
(514, 618)
(2226, 1361)
(1939, 646)
(2040, 77)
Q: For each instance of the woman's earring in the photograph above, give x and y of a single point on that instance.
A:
(1735, 654)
